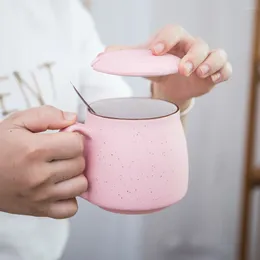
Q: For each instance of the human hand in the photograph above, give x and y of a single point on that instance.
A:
(40, 174)
(200, 68)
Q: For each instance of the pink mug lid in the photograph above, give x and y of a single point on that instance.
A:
(136, 62)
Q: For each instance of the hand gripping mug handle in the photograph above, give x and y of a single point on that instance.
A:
(80, 128)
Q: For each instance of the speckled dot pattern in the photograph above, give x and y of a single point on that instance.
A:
(130, 169)
(135, 166)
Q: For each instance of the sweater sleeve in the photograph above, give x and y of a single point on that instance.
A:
(94, 85)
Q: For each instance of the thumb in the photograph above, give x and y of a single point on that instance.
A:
(43, 118)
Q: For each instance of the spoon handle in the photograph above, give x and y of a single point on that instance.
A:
(84, 101)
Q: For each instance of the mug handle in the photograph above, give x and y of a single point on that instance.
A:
(80, 128)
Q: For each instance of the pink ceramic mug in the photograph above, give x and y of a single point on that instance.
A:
(136, 155)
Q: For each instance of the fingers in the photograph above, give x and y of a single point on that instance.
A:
(64, 190)
(63, 170)
(43, 118)
(169, 37)
(196, 54)
(213, 63)
(69, 189)
(215, 66)
(63, 209)
(205, 64)
(223, 74)
(163, 42)
(62, 145)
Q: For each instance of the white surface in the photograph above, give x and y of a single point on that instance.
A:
(134, 108)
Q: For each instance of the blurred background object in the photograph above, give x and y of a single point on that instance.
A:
(87, 3)
(206, 224)
(251, 179)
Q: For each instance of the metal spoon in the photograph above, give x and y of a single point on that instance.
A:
(84, 101)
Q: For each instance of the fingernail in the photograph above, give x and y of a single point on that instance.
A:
(69, 116)
(158, 48)
(216, 77)
(188, 67)
(204, 69)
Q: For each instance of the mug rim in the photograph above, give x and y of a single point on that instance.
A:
(133, 119)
